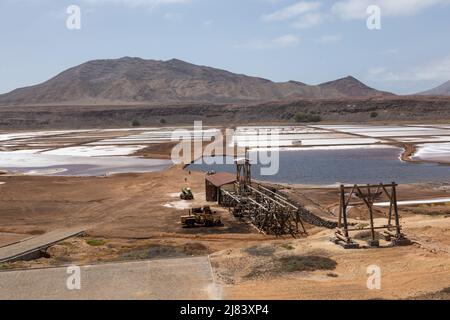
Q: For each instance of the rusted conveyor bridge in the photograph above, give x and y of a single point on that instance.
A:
(267, 210)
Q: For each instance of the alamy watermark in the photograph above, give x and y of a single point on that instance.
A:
(73, 21)
(222, 147)
(374, 17)
(73, 281)
(374, 277)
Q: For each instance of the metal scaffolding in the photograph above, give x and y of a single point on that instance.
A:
(268, 211)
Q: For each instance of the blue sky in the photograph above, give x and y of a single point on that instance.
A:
(281, 40)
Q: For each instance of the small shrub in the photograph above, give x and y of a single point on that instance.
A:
(306, 263)
(275, 266)
(261, 251)
(37, 232)
(195, 248)
(66, 244)
(136, 123)
(362, 225)
(57, 261)
(374, 114)
(95, 242)
(300, 117)
(287, 246)
(315, 118)
(307, 117)
(163, 121)
(332, 275)
(5, 266)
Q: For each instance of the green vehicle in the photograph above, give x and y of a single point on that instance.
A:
(186, 194)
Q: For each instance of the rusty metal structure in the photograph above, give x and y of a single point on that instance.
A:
(270, 212)
(366, 195)
(243, 174)
(214, 182)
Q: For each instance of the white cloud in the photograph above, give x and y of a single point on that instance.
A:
(356, 9)
(136, 3)
(292, 11)
(438, 70)
(173, 16)
(390, 52)
(272, 1)
(328, 39)
(377, 71)
(207, 23)
(285, 41)
(309, 20)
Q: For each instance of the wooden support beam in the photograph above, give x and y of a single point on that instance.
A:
(372, 186)
(369, 194)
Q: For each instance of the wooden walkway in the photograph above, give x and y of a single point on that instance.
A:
(32, 246)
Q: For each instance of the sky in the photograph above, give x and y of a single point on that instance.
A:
(310, 41)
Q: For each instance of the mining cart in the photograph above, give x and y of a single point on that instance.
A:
(201, 217)
(186, 194)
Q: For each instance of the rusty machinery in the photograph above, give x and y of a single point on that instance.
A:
(270, 212)
(201, 217)
(186, 194)
(367, 195)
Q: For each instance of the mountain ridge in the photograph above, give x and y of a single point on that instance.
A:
(135, 80)
(441, 90)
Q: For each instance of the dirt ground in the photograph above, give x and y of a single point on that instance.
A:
(126, 213)
(406, 272)
(315, 268)
(137, 216)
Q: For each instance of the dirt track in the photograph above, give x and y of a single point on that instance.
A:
(123, 206)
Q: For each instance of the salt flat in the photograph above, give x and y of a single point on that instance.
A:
(104, 144)
(401, 133)
(95, 151)
(439, 152)
(423, 139)
(326, 142)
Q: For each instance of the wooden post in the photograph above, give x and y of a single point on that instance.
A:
(390, 212)
(344, 211)
(369, 205)
(341, 206)
(397, 218)
(371, 222)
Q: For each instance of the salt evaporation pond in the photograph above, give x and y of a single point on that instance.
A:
(58, 165)
(357, 165)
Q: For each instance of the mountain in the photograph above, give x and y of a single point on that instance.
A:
(350, 87)
(442, 90)
(135, 80)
